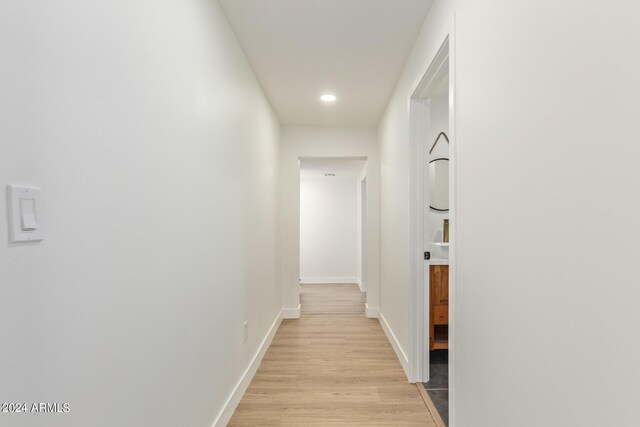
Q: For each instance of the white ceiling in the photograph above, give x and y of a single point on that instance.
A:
(300, 49)
(342, 168)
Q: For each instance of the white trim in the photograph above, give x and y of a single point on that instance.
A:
(402, 357)
(236, 395)
(361, 182)
(419, 130)
(327, 280)
(359, 283)
(453, 227)
(291, 313)
(371, 312)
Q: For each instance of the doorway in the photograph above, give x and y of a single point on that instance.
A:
(331, 235)
(432, 215)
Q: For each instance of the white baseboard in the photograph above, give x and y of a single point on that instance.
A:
(291, 313)
(359, 283)
(402, 357)
(234, 399)
(329, 280)
(371, 312)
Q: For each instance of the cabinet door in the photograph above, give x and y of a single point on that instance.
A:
(440, 284)
(441, 315)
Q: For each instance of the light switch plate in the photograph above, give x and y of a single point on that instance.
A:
(26, 220)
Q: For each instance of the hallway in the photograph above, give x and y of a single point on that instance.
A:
(331, 368)
(196, 193)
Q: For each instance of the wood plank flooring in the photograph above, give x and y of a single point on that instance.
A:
(330, 369)
(331, 299)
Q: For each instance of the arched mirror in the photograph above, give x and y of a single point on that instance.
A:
(439, 184)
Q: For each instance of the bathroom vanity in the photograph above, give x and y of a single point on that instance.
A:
(438, 305)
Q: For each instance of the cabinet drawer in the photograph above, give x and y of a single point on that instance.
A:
(441, 315)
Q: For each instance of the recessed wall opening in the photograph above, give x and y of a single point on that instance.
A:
(332, 235)
(431, 218)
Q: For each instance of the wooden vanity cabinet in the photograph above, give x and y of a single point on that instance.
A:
(438, 307)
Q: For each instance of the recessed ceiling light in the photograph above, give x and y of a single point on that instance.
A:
(327, 97)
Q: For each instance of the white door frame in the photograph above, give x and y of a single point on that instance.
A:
(419, 303)
(362, 214)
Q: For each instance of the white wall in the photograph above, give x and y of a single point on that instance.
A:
(547, 137)
(328, 230)
(155, 148)
(547, 153)
(324, 142)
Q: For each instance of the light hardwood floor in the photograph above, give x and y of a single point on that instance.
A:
(331, 369)
(331, 299)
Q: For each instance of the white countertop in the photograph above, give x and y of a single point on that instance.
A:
(438, 261)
